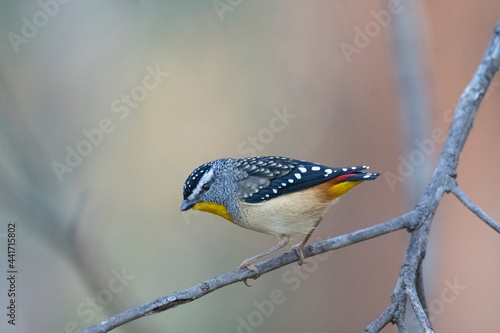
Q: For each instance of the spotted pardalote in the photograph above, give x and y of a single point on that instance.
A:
(275, 195)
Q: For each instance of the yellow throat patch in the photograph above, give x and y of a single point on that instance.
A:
(213, 208)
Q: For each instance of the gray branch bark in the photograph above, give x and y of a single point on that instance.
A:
(457, 191)
(418, 221)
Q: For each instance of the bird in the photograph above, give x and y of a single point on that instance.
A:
(275, 195)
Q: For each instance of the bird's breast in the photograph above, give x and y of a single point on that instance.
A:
(290, 214)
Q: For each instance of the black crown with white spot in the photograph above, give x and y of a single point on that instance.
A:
(267, 177)
(194, 178)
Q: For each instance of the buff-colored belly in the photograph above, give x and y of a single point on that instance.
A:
(289, 215)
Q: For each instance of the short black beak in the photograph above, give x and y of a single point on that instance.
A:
(186, 205)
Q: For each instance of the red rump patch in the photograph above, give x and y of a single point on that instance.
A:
(345, 178)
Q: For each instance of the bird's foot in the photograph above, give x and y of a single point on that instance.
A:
(248, 264)
(298, 249)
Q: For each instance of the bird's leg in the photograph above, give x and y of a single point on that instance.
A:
(248, 263)
(298, 247)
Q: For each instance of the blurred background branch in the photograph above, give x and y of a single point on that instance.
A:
(25, 191)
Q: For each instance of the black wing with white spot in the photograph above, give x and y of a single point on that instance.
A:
(270, 177)
(256, 173)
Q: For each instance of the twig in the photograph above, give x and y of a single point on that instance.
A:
(419, 287)
(457, 191)
(385, 318)
(419, 309)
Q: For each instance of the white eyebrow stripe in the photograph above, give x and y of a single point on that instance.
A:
(204, 179)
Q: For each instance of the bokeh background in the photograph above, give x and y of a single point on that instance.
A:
(162, 87)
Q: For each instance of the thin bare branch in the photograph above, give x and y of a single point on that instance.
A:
(457, 191)
(419, 287)
(385, 318)
(182, 297)
(399, 301)
(418, 308)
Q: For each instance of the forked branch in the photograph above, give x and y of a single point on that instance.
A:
(443, 180)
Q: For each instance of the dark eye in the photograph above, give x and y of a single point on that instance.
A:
(205, 186)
